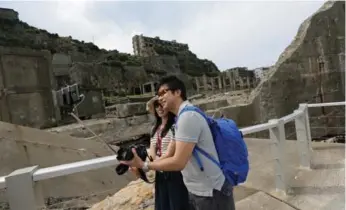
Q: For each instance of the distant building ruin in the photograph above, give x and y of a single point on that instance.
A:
(261, 72)
(8, 14)
(147, 46)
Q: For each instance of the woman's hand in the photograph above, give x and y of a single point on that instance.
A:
(135, 172)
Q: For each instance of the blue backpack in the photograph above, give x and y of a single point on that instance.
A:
(230, 146)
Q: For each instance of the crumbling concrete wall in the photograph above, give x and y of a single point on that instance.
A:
(23, 146)
(26, 84)
(310, 70)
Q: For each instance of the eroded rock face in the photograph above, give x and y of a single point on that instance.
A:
(130, 109)
(136, 195)
(310, 70)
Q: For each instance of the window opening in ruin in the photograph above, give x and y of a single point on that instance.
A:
(320, 66)
(147, 88)
(227, 81)
(194, 86)
(155, 86)
(136, 91)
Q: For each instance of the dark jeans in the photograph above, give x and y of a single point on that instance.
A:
(170, 192)
(221, 200)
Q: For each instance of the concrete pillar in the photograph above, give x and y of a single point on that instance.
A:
(21, 190)
(302, 139)
(205, 83)
(141, 89)
(197, 84)
(307, 122)
(212, 83)
(248, 83)
(224, 84)
(220, 82)
(232, 84)
(278, 138)
(152, 87)
(241, 83)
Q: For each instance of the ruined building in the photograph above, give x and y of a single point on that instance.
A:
(148, 46)
(8, 14)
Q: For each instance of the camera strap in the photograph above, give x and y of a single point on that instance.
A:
(159, 143)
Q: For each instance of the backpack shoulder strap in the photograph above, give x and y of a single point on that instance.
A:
(198, 149)
(193, 108)
(173, 130)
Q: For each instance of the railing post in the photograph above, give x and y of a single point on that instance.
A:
(304, 107)
(303, 138)
(21, 192)
(278, 138)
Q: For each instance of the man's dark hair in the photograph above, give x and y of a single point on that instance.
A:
(173, 84)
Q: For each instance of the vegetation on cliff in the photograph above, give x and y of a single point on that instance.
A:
(16, 33)
(189, 63)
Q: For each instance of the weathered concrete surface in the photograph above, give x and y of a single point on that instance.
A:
(308, 189)
(311, 69)
(113, 130)
(318, 188)
(23, 146)
(211, 105)
(262, 201)
(140, 195)
(131, 109)
(26, 84)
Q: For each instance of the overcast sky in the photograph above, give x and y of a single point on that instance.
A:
(230, 33)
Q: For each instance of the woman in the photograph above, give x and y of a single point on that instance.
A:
(170, 190)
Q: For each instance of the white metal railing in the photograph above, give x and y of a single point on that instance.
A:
(277, 134)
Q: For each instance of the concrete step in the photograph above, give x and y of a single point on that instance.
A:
(263, 201)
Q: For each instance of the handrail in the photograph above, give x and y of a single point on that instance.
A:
(2, 182)
(328, 104)
(86, 165)
(290, 117)
(257, 128)
(76, 167)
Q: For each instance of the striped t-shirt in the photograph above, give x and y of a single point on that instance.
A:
(165, 140)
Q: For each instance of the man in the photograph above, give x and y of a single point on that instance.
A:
(208, 189)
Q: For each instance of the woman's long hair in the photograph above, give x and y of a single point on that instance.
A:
(158, 122)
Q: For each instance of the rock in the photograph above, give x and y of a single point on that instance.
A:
(310, 70)
(211, 105)
(136, 195)
(130, 109)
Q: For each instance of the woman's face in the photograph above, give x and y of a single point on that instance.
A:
(159, 110)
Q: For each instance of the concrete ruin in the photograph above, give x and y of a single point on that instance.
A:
(23, 147)
(310, 70)
(8, 14)
(229, 80)
(26, 86)
(145, 46)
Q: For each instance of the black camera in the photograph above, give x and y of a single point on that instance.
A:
(126, 154)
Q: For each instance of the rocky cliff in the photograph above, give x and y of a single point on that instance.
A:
(101, 68)
(310, 70)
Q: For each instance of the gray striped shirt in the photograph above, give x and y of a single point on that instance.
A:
(165, 140)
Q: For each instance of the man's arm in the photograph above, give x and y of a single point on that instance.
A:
(170, 150)
(189, 129)
(182, 154)
(186, 138)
